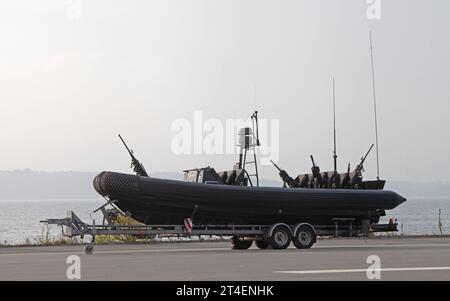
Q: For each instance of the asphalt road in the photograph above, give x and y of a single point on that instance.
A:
(342, 259)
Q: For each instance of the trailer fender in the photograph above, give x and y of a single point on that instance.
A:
(270, 231)
(296, 227)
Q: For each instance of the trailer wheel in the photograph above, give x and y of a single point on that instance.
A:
(304, 237)
(280, 237)
(262, 244)
(240, 244)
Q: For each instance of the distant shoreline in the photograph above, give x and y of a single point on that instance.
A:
(99, 198)
(73, 185)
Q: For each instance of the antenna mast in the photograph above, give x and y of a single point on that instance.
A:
(375, 106)
(334, 127)
(254, 95)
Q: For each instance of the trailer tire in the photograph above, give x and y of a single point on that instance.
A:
(304, 236)
(262, 244)
(240, 244)
(280, 237)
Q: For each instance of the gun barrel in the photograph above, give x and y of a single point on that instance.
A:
(126, 146)
(137, 166)
(359, 168)
(312, 159)
(276, 166)
(365, 157)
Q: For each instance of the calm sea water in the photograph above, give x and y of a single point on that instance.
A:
(20, 219)
(421, 216)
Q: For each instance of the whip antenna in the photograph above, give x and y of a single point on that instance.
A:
(375, 106)
(254, 95)
(334, 127)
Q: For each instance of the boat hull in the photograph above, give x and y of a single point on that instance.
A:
(163, 202)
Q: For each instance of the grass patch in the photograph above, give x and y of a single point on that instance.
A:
(123, 220)
(44, 238)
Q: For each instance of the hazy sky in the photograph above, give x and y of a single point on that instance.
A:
(68, 85)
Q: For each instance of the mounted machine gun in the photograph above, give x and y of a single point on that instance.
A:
(137, 166)
(287, 180)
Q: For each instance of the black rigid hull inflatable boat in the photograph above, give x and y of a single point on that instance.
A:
(168, 202)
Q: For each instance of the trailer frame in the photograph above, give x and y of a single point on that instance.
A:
(73, 226)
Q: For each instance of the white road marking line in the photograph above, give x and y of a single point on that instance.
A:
(174, 250)
(123, 251)
(383, 246)
(168, 250)
(163, 250)
(343, 271)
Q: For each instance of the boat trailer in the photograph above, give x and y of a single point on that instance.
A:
(242, 235)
